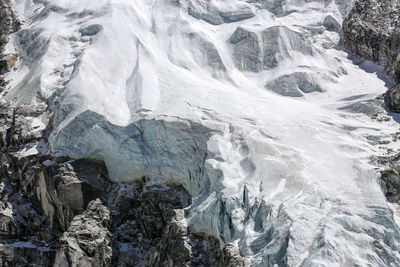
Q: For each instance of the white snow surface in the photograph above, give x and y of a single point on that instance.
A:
(136, 91)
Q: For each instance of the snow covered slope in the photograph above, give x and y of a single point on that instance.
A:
(250, 105)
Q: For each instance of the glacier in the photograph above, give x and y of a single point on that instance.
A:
(252, 106)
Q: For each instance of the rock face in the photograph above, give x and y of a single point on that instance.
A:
(207, 11)
(87, 240)
(294, 84)
(278, 43)
(392, 98)
(8, 24)
(247, 51)
(68, 213)
(371, 30)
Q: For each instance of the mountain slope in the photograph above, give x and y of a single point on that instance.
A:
(249, 112)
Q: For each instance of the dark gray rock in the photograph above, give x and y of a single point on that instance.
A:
(86, 243)
(279, 42)
(389, 179)
(230, 257)
(246, 51)
(8, 24)
(63, 212)
(371, 30)
(173, 249)
(26, 254)
(331, 24)
(390, 184)
(33, 44)
(91, 30)
(294, 84)
(7, 62)
(205, 10)
(392, 98)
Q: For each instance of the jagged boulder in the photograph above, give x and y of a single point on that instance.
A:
(86, 243)
(331, 24)
(230, 257)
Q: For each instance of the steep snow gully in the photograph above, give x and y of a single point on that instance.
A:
(252, 106)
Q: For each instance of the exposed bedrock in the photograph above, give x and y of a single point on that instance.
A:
(371, 30)
(390, 177)
(295, 84)
(86, 243)
(392, 98)
(280, 42)
(246, 50)
(56, 210)
(277, 44)
(8, 24)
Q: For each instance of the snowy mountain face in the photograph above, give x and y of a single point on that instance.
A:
(246, 125)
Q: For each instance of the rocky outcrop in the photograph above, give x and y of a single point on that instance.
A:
(246, 50)
(207, 11)
(86, 243)
(294, 84)
(392, 98)
(8, 24)
(389, 179)
(280, 42)
(64, 212)
(371, 30)
(230, 257)
(277, 44)
(331, 24)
